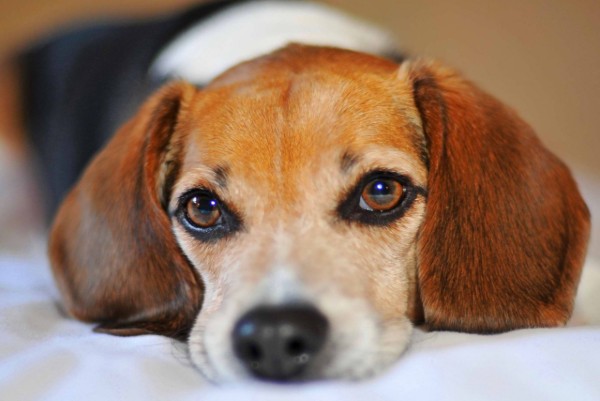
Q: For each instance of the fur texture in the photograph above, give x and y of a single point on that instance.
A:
(493, 241)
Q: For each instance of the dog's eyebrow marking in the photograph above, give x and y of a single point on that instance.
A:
(221, 174)
(348, 161)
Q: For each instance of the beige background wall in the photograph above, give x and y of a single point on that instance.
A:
(540, 56)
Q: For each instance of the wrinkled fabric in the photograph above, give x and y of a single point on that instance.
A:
(46, 356)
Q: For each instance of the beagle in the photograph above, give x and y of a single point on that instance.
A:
(293, 219)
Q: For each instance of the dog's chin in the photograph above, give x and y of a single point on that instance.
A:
(359, 345)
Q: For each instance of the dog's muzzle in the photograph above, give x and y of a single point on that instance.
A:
(279, 343)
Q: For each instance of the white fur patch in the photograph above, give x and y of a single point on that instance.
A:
(249, 30)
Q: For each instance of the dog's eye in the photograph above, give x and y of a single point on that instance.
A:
(203, 210)
(381, 195)
(379, 198)
(203, 215)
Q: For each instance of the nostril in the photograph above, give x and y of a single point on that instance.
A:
(296, 347)
(251, 351)
(278, 343)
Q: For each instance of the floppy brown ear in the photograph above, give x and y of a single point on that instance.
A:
(506, 230)
(112, 251)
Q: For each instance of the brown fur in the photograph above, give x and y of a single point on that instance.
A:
(506, 230)
(12, 133)
(503, 228)
(112, 251)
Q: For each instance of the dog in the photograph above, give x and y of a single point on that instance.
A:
(294, 218)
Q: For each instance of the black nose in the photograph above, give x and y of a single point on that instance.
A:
(279, 342)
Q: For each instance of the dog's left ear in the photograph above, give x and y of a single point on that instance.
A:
(505, 230)
(112, 251)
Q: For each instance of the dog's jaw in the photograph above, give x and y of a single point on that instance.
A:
(360, 345)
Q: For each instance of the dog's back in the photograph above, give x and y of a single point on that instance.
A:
(79, 86)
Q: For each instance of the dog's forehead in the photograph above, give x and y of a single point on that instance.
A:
(274, 115)
(297, 59)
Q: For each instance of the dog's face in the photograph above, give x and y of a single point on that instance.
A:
(303, 188)
(295, 216)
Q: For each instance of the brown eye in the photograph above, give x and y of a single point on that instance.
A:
(381, 195)
(203, 210)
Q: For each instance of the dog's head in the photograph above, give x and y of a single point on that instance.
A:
(294, 219)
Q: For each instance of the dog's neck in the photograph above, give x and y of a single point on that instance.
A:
(247, 30)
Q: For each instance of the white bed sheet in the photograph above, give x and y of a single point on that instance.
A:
(45, 356)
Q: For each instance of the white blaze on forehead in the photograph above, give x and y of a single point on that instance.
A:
(281, 283)
(248, 30)
(281, 286)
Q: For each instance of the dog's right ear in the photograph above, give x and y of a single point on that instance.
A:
(112, 251)
(505, 230)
